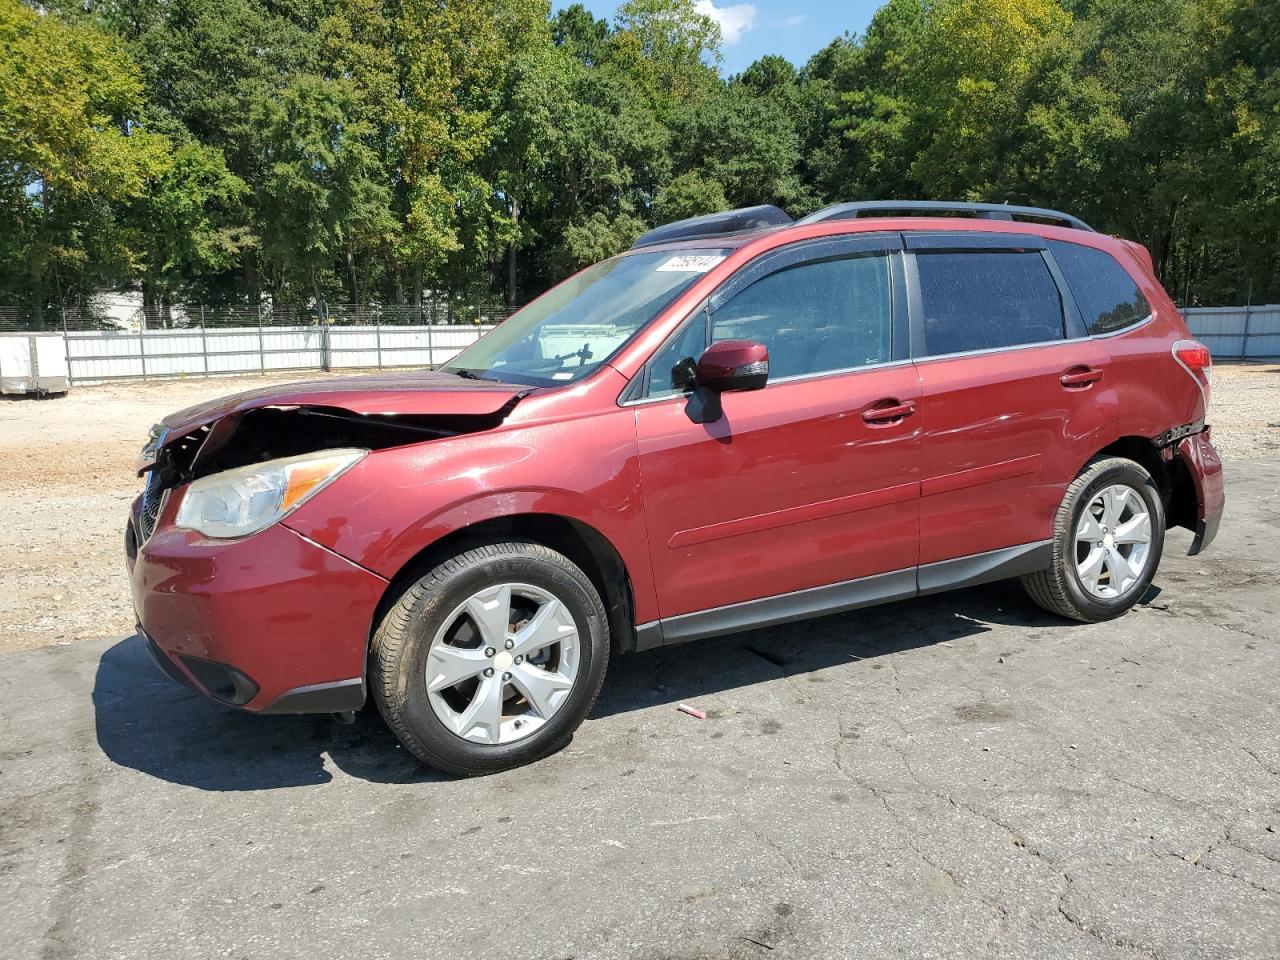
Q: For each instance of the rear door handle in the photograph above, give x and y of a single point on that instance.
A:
(888, 411)
(1079, 377)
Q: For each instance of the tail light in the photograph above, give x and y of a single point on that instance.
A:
(1193, 356)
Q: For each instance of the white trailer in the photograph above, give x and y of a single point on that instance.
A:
(33, 363)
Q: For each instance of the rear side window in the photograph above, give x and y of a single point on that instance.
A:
(1108, 298)
(987, 299)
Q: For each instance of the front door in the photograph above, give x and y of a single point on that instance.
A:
(813, 480)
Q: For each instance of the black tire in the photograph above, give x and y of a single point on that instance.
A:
(398, 656)
(1058, 589)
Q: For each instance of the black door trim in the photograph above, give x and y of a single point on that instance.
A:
(984, 567)
(848, 595)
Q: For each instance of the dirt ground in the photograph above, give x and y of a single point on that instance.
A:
(66, 481)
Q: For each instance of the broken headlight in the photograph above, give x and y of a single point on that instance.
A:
(151, 449)
(244, 501)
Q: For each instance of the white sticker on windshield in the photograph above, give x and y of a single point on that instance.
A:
(562, 375)
(690, 263)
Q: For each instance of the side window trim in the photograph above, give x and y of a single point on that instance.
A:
(1071, 315)
(774, 261)
(1073, 324)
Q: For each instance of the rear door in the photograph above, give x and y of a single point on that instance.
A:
(1013, 390)
(801, 484)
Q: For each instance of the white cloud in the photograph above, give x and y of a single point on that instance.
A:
(794, 21)
(734, 20)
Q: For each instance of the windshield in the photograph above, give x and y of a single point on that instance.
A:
(566, 334)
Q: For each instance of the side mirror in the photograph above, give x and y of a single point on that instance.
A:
(734, 365)
(727, 365)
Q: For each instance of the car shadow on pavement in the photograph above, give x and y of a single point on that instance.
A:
(147, 722)
(686, 672)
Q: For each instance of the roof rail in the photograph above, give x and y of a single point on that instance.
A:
(715, 225)
(921, 208)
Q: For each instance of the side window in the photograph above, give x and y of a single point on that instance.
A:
(689, 342)
(987, 299)
(815, 317)
(1108, 298)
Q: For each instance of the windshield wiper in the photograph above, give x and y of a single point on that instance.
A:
(472, 375)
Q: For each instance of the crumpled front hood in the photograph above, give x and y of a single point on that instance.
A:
(405, 393)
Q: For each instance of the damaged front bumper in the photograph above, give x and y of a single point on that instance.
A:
(273, 623)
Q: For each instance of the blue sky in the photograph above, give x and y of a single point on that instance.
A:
(797, 29)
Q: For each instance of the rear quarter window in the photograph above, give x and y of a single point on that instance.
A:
(1107, 296)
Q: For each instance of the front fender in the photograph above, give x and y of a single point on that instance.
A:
(397, 502)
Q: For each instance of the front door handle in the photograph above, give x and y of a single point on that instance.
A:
(888, 411)
(1078, 378)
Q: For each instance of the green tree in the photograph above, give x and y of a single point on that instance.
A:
(71, 149)
(317, 200)
(186, 225)
(745, 141)
(689, 195)
(669, 48)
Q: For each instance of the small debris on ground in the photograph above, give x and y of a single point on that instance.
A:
(692, 711)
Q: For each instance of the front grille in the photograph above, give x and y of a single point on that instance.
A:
(172, 468)
(149, 512)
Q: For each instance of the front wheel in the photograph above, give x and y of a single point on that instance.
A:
(1107, 541)
(492, 659)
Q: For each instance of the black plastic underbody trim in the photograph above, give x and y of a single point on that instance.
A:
(647, 636)
(984, 567)
(848, 595)
(787, 607)
(338, 696)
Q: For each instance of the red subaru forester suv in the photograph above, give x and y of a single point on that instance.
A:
(742, 421)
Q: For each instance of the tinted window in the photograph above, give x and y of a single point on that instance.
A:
(1108, 298)
(815, 317)
(985, 300)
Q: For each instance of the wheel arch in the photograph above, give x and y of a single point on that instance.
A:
(1173, 479)
(589, 549)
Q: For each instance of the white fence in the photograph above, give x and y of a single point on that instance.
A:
(1237, 331)
(97, 355)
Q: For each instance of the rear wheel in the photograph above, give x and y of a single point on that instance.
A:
(492, 659)
(1107, 542)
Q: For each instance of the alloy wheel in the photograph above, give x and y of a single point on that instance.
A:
(503, 664)
(1113, 542)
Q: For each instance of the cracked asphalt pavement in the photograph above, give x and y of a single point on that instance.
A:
(958, 776)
